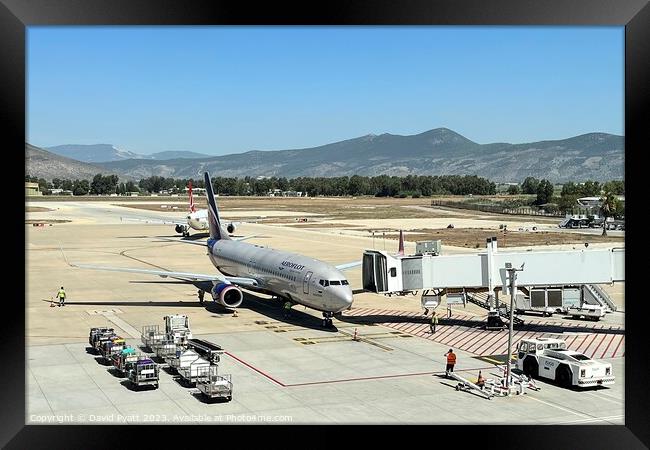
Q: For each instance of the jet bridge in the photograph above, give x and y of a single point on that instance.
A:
(391, 274)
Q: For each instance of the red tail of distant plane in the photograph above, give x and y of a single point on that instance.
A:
(401, 244)
(192, 207)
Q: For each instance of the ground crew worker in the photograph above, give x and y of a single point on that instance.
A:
(201, 294)
(61, 296)
(434, 322)
(287, 309)
(451, 361)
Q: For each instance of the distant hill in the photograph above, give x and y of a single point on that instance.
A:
(595, 156)
(43, 164)
(176, 154)
(107, 152)
(93, 153)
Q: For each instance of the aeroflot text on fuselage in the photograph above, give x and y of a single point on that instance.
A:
(292, 265)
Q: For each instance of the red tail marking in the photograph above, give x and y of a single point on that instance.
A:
(192, 207)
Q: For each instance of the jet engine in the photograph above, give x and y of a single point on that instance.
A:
(227, 295)
(231, 228)
(181, 228)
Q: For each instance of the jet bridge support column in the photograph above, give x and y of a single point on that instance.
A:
(491, 249)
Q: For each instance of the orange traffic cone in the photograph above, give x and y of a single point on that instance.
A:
(355, 338)
(51, 303)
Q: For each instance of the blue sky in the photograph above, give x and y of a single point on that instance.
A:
(220, 90)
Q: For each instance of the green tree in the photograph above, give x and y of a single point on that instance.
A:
(514, 189)
(608, 206)
(530, 185)
(544, 192)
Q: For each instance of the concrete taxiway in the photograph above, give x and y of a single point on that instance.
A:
(284, 371)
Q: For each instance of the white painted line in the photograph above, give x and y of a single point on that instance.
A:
(559, 407)
(594, 419)
(122, 324)
(604, 397)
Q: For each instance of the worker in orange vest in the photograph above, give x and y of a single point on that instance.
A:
(451, 361)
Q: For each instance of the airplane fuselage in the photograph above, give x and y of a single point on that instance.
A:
(301, 279)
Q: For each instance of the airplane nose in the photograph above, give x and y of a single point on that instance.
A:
(344, 297)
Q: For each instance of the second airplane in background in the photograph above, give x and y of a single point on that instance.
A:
(197, 219)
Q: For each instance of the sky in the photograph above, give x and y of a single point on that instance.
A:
(220, 90)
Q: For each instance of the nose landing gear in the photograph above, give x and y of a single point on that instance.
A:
(327, 320)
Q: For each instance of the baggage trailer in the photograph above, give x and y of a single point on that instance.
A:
(164, 348)
(96, 332)
(208, 350)
(151, 335)
(143, 372)
(213, 385)
(123, 358)
(182, 358)
(190, 372)
(96, 337)
(111, 347)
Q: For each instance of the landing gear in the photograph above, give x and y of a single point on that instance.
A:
(186, 233)
(201, 293)
(327, 320)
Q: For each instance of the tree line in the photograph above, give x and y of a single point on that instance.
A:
(379, 186)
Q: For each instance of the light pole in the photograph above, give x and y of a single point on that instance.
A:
(512, 274)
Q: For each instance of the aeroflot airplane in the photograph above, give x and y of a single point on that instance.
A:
(196, 219)
(297, 278)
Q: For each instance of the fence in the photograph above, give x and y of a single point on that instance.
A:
(522, 210)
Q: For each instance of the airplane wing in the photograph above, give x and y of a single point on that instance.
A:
(186, 276)
(154, 220)
(348, 266)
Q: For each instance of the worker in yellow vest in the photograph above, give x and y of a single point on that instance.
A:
(61, 296)
(434, 322)
(287, 309)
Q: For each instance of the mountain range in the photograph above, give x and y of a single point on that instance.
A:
(594, 156)
(95, 153)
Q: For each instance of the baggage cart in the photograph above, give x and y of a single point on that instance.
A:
(109, 347)
(98, 339)
(95, 332)
(190, 372)
(143, 372)
(182, 358)
(123, 358)
(213, 385)
(151, 335)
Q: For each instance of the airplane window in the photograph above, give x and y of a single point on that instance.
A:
(321, 282)
(344, 282)
(335, 282)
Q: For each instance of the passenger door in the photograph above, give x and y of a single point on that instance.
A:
(305, 282)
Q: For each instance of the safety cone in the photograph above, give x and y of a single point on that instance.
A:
(51, 303)
(234, 314)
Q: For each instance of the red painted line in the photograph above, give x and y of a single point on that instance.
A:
(462, 342)
(607, 348)
(256, 369)
(457, 338)
(495, 349)
(495, 335)
(598, 346)
(619, 344)
(582, 342)
(493, 343)
(445, 332)
(502, 348)
(412, 327)
(475, 340)
(589, 344)
(574, 338)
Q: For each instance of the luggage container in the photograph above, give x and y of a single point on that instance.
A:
(109, 347)
(95, 332)
(182, 358)
(213, 385)
(190, 372)
(164, 349)
(97, 339)
(143, 372)
(121, 359)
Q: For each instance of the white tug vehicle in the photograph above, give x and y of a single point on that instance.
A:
(549, 358)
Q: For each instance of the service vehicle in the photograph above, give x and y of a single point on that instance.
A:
(177, 328)
(549, 358)
(589, 312)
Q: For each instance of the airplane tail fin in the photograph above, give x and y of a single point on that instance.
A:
(214, 221)
(192, 207)
(401, 244)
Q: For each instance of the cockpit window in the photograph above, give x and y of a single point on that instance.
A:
(344, 282)
(324, 282)
(335, 282)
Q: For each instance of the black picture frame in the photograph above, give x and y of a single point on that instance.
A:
(15, 15)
